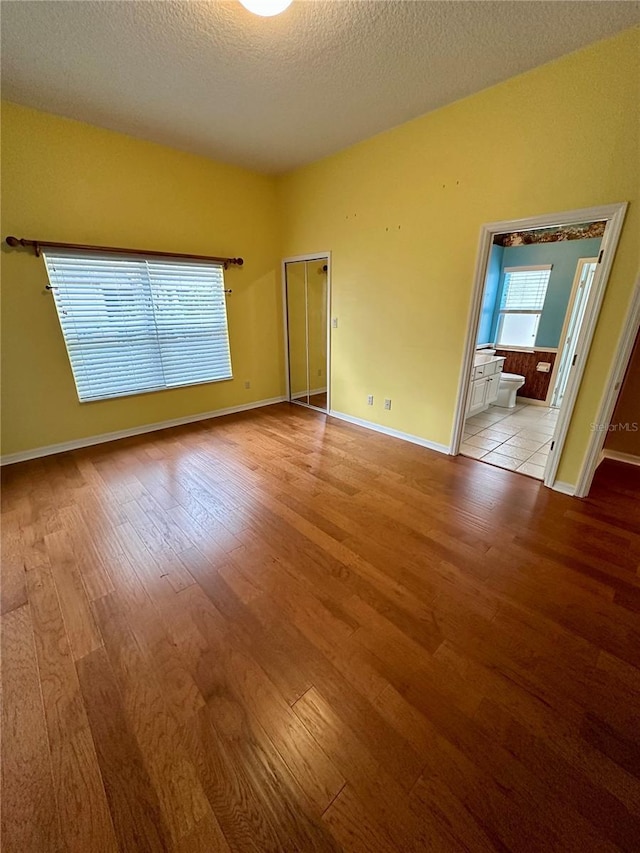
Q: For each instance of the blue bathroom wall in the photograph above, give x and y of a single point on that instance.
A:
(491, 285)
(564, 256)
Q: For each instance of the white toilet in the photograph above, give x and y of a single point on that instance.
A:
(507, 389)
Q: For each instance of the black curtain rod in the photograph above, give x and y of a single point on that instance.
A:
(37, 245)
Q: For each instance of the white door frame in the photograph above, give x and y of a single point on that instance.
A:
(614, 215)
(315, 256)
(610, 396)
(582, 262)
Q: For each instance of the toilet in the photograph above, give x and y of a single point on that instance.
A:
(507, 389)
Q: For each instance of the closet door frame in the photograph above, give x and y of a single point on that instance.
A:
(314, 256)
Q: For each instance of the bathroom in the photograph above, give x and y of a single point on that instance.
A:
(536, 292)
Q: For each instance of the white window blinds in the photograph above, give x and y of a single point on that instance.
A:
(133, 325)
(525, 288)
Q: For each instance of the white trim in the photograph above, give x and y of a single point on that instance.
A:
(568, 217)
(612, 389)
(473, 322)
(285, 327)
(394, 433)
(564, 488)
(614, 214)
(617, 456)
(89, 441)
(317, 256)
(608, 248)
(312, 256)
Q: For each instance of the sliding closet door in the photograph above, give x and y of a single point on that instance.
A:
(306, 302)
(296, 281)
(317, 332)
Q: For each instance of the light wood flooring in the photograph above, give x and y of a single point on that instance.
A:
(279, 632)
(318, 400)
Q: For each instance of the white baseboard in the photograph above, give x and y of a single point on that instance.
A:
(564, 488)
(394, 433)
(617, 456)
(49, 450)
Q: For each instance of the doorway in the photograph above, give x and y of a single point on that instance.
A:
(307, 300)
(515, 318)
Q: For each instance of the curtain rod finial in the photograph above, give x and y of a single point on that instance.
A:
(12, 241)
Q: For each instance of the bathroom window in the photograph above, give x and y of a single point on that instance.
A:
(523, 296)
(134, 325)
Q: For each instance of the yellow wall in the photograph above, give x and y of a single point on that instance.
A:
(401, 213)
(63, 180)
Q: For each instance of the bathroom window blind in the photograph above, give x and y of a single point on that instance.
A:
(523, 295)
(134, 325)
(525, 288)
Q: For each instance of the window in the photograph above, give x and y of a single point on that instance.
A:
(521, 305)
(133, 325)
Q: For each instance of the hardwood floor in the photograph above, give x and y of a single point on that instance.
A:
(319, 400)
(279, 632)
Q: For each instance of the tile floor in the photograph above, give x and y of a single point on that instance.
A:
(517, 439)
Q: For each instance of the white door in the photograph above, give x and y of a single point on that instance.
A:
(586, 271)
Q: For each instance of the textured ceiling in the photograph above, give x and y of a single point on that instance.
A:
(274, 93)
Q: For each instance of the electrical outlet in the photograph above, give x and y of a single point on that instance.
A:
(247, 384)
(387, 404)
(370, 400)
(334, 323)
(319, 371)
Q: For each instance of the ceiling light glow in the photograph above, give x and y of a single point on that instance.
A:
(266, 8)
